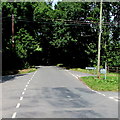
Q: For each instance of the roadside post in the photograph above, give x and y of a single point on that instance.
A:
(103, 71)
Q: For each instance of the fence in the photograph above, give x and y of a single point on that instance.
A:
(113, 69)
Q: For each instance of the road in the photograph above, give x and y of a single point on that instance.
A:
(52, 92)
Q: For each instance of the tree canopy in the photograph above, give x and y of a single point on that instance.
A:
(67, 34)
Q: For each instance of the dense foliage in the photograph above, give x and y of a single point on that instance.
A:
(67, 34)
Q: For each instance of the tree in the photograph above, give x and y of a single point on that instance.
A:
(68, 34)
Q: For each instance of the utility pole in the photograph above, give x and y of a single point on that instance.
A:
(99, 40)
(13, 42)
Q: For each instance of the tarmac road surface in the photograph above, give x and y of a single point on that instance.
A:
(52, 92)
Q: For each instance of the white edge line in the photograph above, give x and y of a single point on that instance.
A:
(99, 93)
(14, 115)
(89, 88)
(71, 74)
(86, 86)
(103, 94)
(111, 97)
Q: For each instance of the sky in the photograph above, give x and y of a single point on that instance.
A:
(55, 2)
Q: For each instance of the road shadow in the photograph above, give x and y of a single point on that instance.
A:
(10, 77)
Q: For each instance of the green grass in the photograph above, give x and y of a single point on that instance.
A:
(83, 70)
(110, 84)
(26, 71)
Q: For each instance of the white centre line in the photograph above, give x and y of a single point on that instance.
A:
(68, 96)
(14, 115)
(24, 89)
(33, 75)
(21, 98)
(18, 105)
(23, 93)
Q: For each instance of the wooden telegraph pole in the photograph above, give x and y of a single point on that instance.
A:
(13, 42)
(99, 41)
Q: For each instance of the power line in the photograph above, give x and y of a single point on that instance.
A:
(53, 21)
(63, 20)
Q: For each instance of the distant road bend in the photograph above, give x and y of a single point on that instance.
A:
(52, 92)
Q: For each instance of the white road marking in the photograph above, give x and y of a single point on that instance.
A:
(14, 115)
(33, 75)
(18, 105)
(103, 94)
(68, 96)
(90, 88)
(72, 74)
(70, 99)
(24, 89)
(99, 93)
(21, 98)
(111, 97)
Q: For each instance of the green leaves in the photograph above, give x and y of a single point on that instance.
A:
(70, 32)
(42, 11)
(24, 43)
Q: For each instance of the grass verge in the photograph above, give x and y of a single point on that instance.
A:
(110, 84)
(83, 70)
(24, 71)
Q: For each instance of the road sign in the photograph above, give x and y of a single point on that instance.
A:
(103, 71)
(90, 68)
